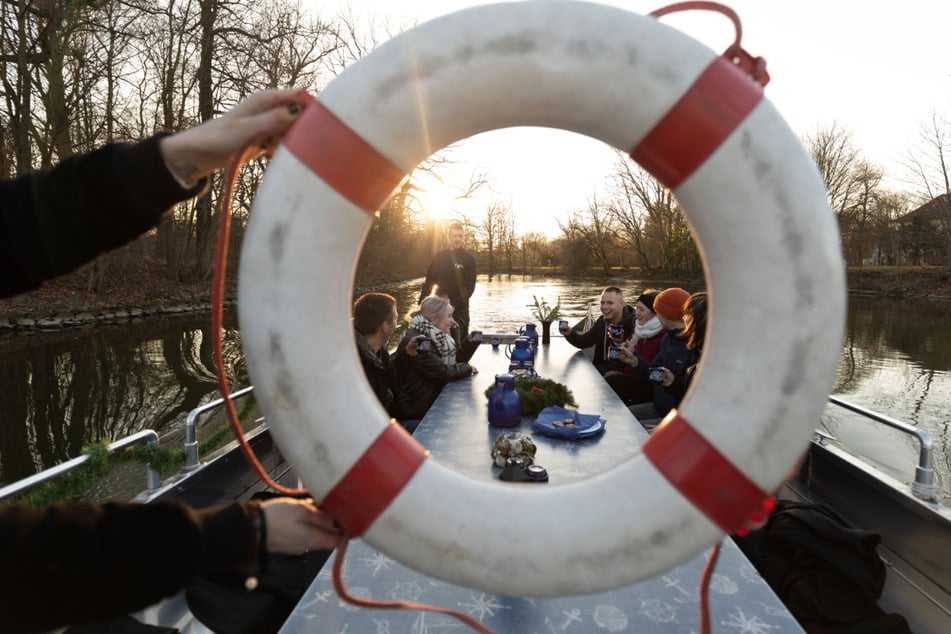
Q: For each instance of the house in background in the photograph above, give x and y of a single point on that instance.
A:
(923, 233)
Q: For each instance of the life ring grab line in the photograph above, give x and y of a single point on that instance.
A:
(408, 126)
(697, 526)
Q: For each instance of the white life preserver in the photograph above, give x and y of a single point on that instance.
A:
(758, 209)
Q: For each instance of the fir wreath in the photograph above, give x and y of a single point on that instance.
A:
(538, 393)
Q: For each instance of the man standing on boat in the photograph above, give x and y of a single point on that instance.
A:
(374, 322)
(616, 316)
(453, 272)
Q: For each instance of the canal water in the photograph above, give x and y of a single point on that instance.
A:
(60, 391)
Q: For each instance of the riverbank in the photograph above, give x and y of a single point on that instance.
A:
(138, 290)
(149, 290)
(913, 282)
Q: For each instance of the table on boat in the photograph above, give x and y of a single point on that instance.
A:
(456, 432)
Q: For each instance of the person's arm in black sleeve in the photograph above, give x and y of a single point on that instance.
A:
(466, 348)
(588, 338)
(55, 221)
(429, 282)
(80, 563)
(471, 272)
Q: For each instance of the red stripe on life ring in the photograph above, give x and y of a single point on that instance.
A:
(697, 124)
(703, 475)
(374, 480)
(342, 158)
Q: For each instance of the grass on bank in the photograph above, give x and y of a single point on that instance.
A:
(100, 461)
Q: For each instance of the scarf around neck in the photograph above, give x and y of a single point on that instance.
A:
(443, 344)
(648, 330)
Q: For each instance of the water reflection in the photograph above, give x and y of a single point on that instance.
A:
(63, 391)
(896, 359)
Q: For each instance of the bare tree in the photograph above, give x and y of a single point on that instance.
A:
(493, 228)
(649, 221)
(834, 151)
(852, 186)
(929, 164)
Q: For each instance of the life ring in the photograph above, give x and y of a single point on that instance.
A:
(756, 204)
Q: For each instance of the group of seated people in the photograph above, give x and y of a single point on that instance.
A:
(408, 383)
(648, 354)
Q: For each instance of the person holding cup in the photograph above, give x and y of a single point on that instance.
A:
(685, 317)
(439, 357)
(608, 332)
(644, 342)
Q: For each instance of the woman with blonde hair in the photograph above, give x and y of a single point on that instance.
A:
(423, 377)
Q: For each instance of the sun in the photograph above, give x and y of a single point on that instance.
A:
(436, 199)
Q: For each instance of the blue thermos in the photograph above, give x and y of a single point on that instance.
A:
(505, 405)
(522, 357)
(530, 332)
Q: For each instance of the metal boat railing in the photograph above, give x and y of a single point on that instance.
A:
(923, 487)
(191, 425)
(152, 477)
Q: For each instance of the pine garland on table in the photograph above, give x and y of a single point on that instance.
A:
(537, 393)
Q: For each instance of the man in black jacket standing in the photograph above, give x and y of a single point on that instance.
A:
(453, 272)
(374, 322)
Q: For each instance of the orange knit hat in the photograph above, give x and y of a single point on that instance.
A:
(669, 303)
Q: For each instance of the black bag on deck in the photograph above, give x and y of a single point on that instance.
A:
(223, 604)
(828, 574)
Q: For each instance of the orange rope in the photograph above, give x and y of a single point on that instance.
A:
(394, 605)
(217, 319)
(217, 314)
(705, 588)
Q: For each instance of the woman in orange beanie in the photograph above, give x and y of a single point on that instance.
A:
(686, 323)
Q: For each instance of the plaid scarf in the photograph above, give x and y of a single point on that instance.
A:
(444, 345)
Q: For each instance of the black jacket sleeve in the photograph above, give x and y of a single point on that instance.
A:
(471, 272)
(588, 338)
(54, 221)
(430, 280)
(80, 562)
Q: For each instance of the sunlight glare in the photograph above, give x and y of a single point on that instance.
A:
(438, 201)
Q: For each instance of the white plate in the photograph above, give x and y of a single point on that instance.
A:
(598, 426)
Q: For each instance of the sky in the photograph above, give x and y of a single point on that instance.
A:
(879, 68)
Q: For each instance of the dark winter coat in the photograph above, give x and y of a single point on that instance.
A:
(422, 378)
(53, 221)
(381, 375)
(674, 356)
(453, 271)
(597, 336)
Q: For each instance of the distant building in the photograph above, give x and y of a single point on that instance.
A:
(924, 233)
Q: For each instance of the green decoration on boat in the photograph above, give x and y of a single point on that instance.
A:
(545, 313)
(538, 393)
